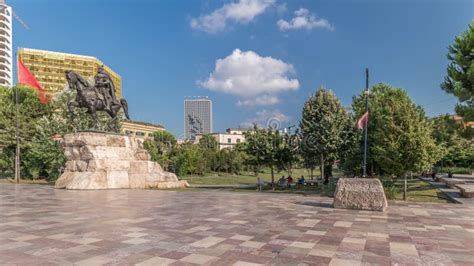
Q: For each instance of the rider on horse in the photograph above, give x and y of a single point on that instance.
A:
(106, 87)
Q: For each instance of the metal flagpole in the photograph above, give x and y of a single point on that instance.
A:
(17, 136)
(367, 121)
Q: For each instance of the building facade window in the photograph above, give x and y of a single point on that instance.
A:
(229, 140)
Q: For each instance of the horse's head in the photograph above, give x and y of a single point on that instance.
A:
(73, 78)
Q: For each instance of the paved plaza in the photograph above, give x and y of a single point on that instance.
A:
(41, 225)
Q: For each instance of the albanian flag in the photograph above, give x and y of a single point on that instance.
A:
(362, 122)
(25, 77)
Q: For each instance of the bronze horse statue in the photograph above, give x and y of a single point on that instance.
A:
(91, 98)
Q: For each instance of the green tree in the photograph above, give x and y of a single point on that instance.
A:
(160, 146)
(399, 134)
(210, 152)
(287, 153)
(262, 148)
(322, 128)
(30, 112)
(448, 134)
(187, 159)
(208, 142)
(460, 73)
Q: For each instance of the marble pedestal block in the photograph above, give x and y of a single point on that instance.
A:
(360, 194)
(105, 161)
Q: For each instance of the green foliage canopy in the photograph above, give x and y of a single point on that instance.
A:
(399, 134)
(323, 124)
(459, 80)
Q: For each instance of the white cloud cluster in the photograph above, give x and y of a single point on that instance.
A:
(242, 11)
(252, 77)
(304, 20)
(267, 118)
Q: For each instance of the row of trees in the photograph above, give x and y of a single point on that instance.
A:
(188, 158)
(400, 136)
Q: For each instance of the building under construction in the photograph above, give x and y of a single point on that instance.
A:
(48, 68)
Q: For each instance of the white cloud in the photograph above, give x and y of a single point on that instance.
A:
(267, 118)
(255, 79)
(304, 20)
(259, 100)
(242, 12)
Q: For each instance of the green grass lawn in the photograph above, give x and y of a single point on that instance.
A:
(421, 191)
(245, 177)
(418, 190)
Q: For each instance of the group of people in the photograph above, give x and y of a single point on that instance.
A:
(288, 181)
(282, 182)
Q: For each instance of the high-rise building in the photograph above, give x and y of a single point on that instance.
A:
(49, 67)
(6, 58)
(197, 117)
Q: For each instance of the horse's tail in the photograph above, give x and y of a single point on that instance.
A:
(124, 104)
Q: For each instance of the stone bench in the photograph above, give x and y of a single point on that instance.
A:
(467, 190)
(452, 182)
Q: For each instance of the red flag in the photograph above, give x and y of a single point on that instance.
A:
(363, 120)
(25, 77)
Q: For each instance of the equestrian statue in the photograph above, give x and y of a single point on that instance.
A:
(100, 97)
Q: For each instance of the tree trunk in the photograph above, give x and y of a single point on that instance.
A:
(405, 187)
(322, 167)
(273, 177)
(311, 169)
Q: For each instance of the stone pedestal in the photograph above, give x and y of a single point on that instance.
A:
(360, 194)
(105, 161)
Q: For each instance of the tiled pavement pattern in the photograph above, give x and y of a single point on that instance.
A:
(41, 225)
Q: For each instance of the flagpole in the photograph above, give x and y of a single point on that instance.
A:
(17, 136)
(367, 123)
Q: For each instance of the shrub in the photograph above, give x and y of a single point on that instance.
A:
(458, 170)
(391, 191)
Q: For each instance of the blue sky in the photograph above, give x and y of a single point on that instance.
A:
(270, 54)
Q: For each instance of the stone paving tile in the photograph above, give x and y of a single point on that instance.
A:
(43, 226)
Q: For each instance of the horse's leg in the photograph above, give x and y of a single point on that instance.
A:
(92, 110)
(124, 105)
(70, 106)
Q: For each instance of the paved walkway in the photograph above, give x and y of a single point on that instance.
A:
(40, 225)
(453, 193)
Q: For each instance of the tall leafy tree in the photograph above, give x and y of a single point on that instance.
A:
(399, 134)
(262, 148)
(459, 80)
(30, 112)
(322, 125)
